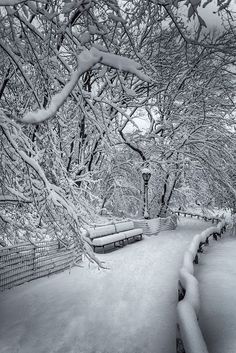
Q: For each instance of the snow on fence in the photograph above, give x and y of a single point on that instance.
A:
(155, 225)
(189, 298)
(24, 262)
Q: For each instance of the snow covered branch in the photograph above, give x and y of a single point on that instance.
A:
(18, 64)
(10, 2)
(122, 63)
(15, 2)
(86, 60)
(10, 198)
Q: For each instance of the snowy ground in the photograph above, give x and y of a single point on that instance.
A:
(216, 273)
(130, 308)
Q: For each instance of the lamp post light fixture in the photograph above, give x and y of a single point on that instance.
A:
(146, 174)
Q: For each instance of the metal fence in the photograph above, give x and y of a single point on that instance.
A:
(24, 262)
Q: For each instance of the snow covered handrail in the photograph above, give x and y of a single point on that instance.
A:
(212, 219)
(189, 298)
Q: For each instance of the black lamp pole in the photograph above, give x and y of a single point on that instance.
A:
(146, 176)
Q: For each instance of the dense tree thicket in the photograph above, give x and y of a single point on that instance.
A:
(93, 91)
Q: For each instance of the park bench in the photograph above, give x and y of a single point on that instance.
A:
(117, 234)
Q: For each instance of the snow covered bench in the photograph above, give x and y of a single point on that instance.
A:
(117, 234)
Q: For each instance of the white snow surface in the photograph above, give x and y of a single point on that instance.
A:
(216, 273)
(146, 171)
(128, 308)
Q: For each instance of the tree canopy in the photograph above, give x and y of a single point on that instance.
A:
(93, 91)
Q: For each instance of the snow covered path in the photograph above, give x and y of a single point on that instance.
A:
(130, 308)
(216, 273)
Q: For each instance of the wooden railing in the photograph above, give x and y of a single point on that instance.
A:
(190, 337)
(24, 262)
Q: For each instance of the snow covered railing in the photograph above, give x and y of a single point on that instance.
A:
(189, 298)
(206, 218)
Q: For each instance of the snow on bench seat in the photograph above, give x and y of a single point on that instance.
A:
(122, 226)
(113, 233)
(109, 239)
(101, 231)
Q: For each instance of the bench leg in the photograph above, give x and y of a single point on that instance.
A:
(117, 245)
(132, 239)
(121, 242)
(138, 237)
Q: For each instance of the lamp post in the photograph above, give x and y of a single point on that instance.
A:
(146, 174)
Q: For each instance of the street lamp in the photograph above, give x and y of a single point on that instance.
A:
(146, 174)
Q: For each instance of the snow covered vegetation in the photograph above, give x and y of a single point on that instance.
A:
(92, 94)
